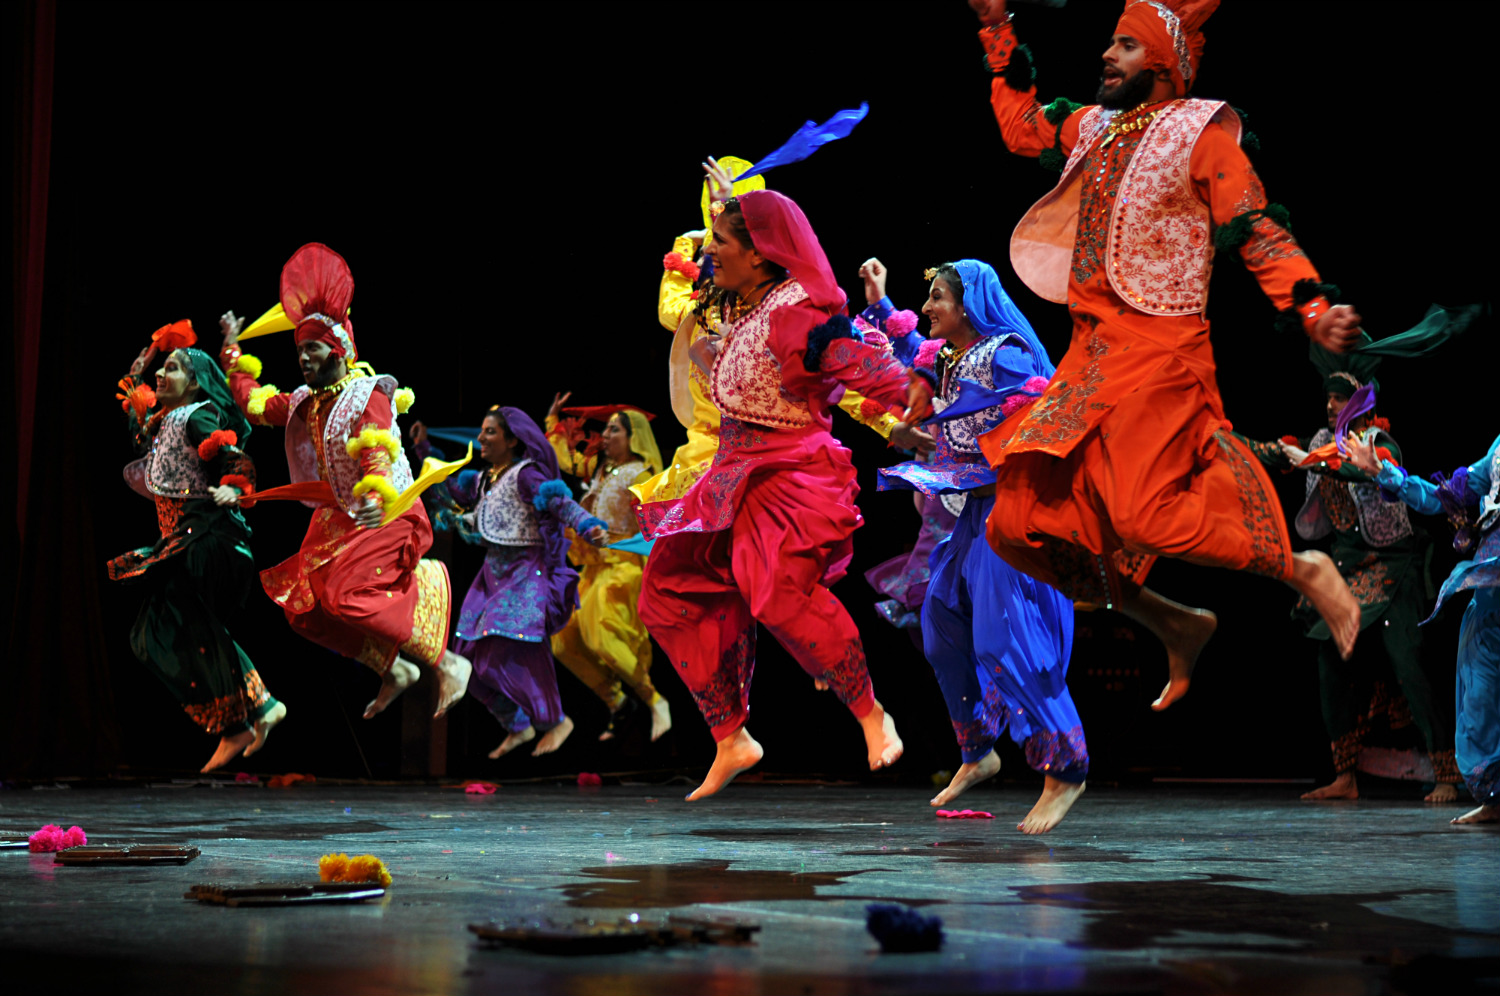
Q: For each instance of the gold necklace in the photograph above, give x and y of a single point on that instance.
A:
(1117, 127)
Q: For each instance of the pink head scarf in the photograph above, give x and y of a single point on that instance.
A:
(781, 233)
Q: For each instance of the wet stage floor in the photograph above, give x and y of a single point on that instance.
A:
(1143, 889)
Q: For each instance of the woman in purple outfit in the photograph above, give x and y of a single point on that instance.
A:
(526, 591)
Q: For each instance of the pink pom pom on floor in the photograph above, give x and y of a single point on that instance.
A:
(588, 778)
(54, 838)
(964, 814)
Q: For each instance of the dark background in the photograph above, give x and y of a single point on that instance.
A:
(503, 180)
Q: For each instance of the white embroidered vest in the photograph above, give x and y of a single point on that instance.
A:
(1489, 505)
(609, 497)
(746, 377)
(1158, 227)
(173, 467)
(1382, 522)
(976, 365)
(342, 422)
(503, 517)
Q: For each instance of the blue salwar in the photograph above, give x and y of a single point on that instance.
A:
(1477, 689)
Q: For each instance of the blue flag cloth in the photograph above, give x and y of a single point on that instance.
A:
(459, 435)
(808, 139)
(637, 544)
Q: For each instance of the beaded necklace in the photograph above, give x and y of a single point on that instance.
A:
(1140, 121)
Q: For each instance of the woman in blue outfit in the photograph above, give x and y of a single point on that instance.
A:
(998, 640)
(1471, 500)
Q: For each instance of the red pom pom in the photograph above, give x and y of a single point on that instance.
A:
(238, 481)
(686, 267)
(1289, 440)
(219, 438)
(1381, 423)
(870, 409)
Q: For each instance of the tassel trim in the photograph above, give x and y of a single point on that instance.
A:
(370, 437)
(822, 336)
(216, 440)
(379, 485)
(549, 491)
(256, 404)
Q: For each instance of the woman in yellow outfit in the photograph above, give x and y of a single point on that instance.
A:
(604, 644)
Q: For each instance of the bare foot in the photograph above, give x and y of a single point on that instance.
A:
(1441, 792)
(229, 749)
(400, 676)
(737, 753)
(514, 740)
(553, 738)
(881, 740)
(1182, 629)
(1342, 787)
(1314, 575)
(661, 718)
(968, 776)
(265, 725)
(1057, 798)
(453, 680)
(1484, 814)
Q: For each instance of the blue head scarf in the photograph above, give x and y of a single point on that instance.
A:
(991, 311)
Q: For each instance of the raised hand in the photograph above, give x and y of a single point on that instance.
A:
(720, 183)
(138, 368)
(230, 325)
(1360, 453)
(873, 272)
(558, 400)
(1337, 329)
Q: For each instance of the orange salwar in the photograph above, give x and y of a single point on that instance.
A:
(1127, 456)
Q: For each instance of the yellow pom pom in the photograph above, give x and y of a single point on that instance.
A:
(331, 867)
(247, 364)
(379, 485)
(367, 868)
(404, 398)
(258, 398)
(370, 437)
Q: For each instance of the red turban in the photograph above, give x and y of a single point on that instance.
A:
(316, 288)
(1172, 33)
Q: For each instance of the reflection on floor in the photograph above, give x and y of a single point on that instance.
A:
(1151, 889)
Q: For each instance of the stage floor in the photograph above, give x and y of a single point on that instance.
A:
(1238, 889)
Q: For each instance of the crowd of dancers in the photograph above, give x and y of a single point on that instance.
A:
(1042, 485)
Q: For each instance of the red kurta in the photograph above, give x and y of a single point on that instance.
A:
(362, 593)
(1127, 456)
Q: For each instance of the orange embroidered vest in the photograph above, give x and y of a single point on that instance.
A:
(1160, 248)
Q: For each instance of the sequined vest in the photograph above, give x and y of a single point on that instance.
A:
(342, 422)
(173, 467)
(977, 365)
(1382, 522)
(746, 377)
(610, 499)
(1160, 250)
(504, 517)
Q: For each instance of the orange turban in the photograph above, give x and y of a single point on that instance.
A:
(1172, 33)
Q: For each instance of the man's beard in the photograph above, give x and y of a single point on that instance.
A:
(1132, 90)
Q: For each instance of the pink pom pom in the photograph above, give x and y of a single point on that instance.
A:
(54, 838)
(927, 354)
(589, 779)
(1013, 404)
(1035, 385)
(874, 338)
(900, 323)
(862, 325)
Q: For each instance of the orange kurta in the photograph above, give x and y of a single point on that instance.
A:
(1127, 455)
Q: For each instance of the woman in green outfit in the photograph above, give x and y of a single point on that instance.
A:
(199, 571)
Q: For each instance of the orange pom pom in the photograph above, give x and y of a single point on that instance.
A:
(331, 867)
(219, 438)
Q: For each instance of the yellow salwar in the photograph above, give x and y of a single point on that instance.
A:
(605, 644)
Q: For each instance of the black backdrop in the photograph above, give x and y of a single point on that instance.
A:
(504, 179)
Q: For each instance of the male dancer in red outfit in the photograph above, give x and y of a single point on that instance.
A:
(357, 586)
